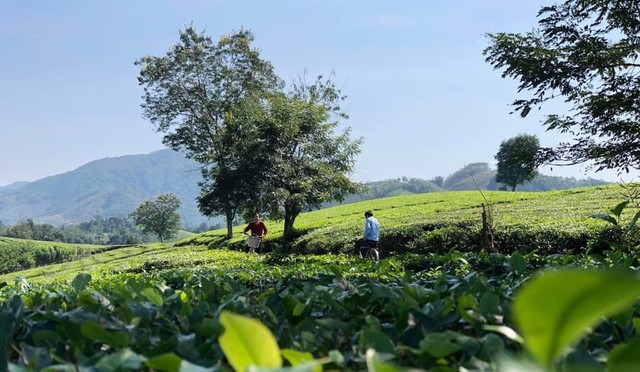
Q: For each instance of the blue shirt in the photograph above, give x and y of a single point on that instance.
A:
(371, 229)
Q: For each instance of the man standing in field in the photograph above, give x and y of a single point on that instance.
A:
(258, 232)
(371, 233)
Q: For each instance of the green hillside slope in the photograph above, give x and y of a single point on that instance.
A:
(422, 223)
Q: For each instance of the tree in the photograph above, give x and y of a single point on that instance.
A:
(586, 53)
(517, 160)
(158, 216)
(304, 160)
(191, 94)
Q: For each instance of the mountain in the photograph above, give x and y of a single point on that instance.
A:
(111, 187)
(12, 186)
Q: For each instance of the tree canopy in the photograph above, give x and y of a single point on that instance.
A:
(306, 161)
(191, 93)
(584, 52)
(517, 160)
(261, 149)
(158, 216)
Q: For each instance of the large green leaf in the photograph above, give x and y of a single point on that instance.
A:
(439, 345)
(517, 263)
(557, 308)
(168, 362)
(371, 338)
(152, 295)
(123, 360)
(7, 322)
(81, 281)
(247, 342)
(95, 332)
(625, 357)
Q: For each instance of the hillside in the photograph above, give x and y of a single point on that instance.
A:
(113, 187)
(409, 222)
(109, 187)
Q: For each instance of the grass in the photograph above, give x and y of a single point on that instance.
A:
(568, 209)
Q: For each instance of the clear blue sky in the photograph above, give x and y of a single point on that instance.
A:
(419, 90)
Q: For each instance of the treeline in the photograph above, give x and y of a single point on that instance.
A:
(104, 231)
(111, 231)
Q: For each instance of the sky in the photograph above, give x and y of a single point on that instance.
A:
(420, 93)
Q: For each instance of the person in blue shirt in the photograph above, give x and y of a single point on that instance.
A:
(371, 233)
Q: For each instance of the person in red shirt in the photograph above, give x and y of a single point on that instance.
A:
(258, 231)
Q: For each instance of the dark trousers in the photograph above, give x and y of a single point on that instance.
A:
(363, 244)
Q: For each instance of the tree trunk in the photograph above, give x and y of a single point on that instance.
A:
(229, 216)
(291, 211)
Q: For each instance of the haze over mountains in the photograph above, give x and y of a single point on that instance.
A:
(113, 187)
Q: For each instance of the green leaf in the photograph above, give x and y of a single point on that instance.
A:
(374, 364)
(606, 217)
(95, 332)
(557, 308)
(152, 295)
(633, 222)
(187, 366)
(517, 263)
(124, 359)
(624, 357)
(246, 342)
(168, 362)
(81, 281)
(302, 360)
(370, 338)
(296, 357)
(439, 345)
(336, 357)
(617, 210)
(299, 309)
(489, 303)
(7, 322)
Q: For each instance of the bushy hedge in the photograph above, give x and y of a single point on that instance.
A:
(16, 254)
(425, 238)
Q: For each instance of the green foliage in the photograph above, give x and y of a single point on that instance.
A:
(437, 306)
(159, 216)
(19, 254)
(246, 342)
(196, 89)
(305, 162)
(583, 53)
(574, 302)
(517, 161)
(112, 230)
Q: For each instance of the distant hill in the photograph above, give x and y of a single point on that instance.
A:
(111, 187)
(471, 177)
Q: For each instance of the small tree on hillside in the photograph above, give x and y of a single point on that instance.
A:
(158, 216)
(517, 160)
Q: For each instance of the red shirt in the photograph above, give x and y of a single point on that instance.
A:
(257, 228)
